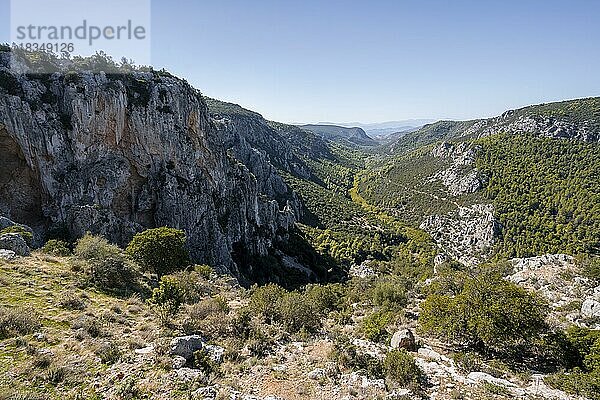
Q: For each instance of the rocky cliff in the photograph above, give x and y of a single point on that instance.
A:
(114, 154)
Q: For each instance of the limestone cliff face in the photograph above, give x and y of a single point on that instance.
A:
(117, 154)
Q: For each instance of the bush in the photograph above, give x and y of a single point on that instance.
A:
(400, 368)
(264, 300)
(105, 263)
(298, 312)
(108, 352)
(374, 326)
(208, 317)
(18, 321)
(161, 250)
(56, 248)
(72, 301)
(389, 295)
(590, 267)
(180, 288)
(24, 233)
(205, 271)
(489, 314)
(326, 298)
(203, 362)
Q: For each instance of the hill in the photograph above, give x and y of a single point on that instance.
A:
(353, 136)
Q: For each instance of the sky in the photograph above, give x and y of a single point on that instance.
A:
(375, 61)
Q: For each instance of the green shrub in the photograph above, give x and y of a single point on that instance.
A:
(400, 368)
(24, 233)
(374, 326)
(467, 362)
(298, 312)
(208, 317)
(204, 270)
(56, 248)
(182, 287)
(18, 321)
(72, 301)
(203, 362)
(576, 382)
(264, 300)
(105, 264)
(108, 352)
(489, 314)
(161, 250)
(389, 295)
(590, 267)
(326, 298)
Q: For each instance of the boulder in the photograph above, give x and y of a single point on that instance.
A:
(185, 346)
(215, 353)
(205, 393)
(403, 339)
(7, 255)
(317, 374)
(14, 242)
(590, 308)
(178, 362)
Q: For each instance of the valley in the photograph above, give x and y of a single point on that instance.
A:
(160, 244)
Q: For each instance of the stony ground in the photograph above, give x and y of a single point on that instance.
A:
(94, 345)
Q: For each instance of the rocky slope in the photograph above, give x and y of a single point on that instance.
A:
(114, 154)
(352, 136)
(574, 119)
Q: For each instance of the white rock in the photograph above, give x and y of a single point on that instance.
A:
(178, 362)
(590, 308)
(480, 377)
(431, 354)
(189, 374)
(205, 393)
(7, 254)
(317, 374)
(14, 242)
(145, 350)
(215, 353)
(403, 339)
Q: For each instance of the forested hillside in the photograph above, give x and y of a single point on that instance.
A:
(546, 193)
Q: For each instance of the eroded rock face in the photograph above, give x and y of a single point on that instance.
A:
(467, 234)
(115, 154)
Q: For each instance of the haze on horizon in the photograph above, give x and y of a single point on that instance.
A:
(384, 60)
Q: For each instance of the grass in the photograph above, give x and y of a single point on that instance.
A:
(39, 283)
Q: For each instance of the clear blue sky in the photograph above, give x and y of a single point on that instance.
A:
(309, 61)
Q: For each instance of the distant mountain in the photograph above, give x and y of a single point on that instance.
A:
(381, 131)
(342, 134)
(571, 119)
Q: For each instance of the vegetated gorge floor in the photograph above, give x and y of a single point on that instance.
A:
(94, 345)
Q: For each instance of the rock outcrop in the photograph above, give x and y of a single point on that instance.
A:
(15, 243)
(114, 154)
(467, 234)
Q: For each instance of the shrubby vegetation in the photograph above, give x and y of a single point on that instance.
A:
(297, 310)
(104, 264)
(400, 368)
(487, 313)
(57, 248)
(583, 378)
(161, 250)
(16, 321)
